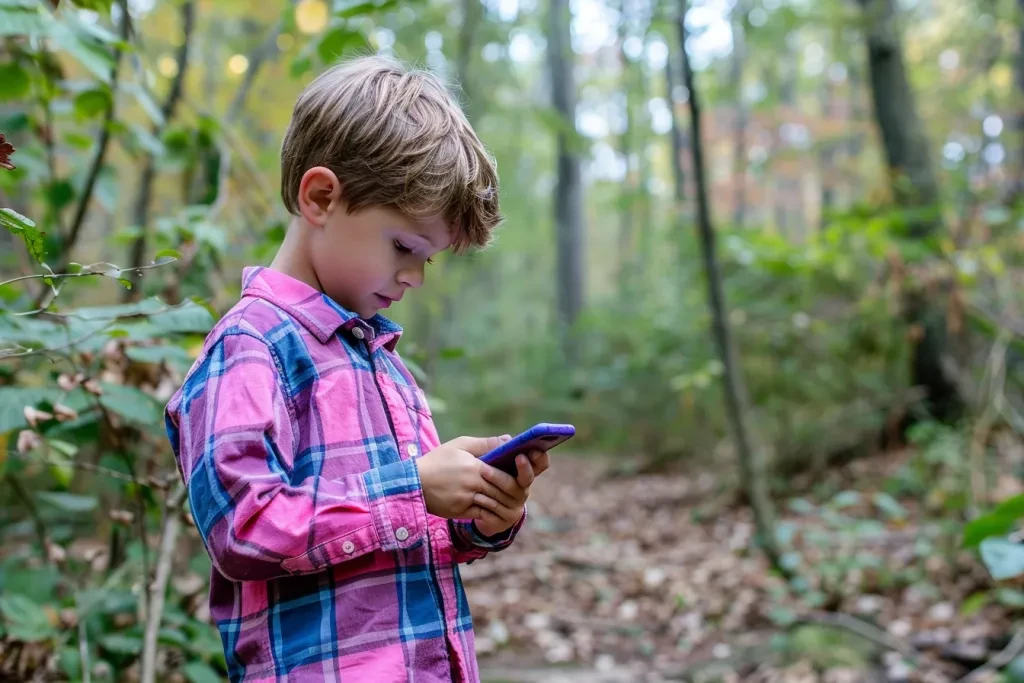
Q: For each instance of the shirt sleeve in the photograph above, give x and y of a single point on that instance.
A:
(470, 545)
(258, 519)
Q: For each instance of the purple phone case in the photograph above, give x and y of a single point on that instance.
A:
(541, 437)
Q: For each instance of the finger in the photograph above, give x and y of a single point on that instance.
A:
(525, 469)
(490, 518)
(541, 461)
(503, 512)
(480, 445)
(492, 491)
(504, 481)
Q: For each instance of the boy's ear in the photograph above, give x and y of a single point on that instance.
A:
(319, 194)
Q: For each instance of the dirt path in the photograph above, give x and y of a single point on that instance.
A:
(643, 578)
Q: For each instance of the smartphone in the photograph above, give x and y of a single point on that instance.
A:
(541, 437)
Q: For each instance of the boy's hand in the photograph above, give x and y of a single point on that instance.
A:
(494, 514)
(452, 480)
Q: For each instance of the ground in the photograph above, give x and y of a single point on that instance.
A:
(650, 578)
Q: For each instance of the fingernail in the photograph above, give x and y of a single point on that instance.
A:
(505, 438)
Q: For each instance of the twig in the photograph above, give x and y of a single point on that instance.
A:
(991, 393)
(155, 481)
(1004, 657)
(87, 273)
(83, 648)
(172, 523)
(858, 627)
(144, 194)
(33, 511)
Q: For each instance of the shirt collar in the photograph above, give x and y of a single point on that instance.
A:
(317, 312)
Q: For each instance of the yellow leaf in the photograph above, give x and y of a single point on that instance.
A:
(311, 16)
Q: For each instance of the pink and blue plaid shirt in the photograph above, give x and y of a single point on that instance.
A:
(295, 432)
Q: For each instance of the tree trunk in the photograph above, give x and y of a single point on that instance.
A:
(627, 194)
(748, 452)
(678, 138)
(739, 162)
(1017, 186)
(569, 192)
(144, 196)
(916, 190)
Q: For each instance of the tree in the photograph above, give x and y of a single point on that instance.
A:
(747, 449)
(916, 192)
(739, 168)
(569, 191)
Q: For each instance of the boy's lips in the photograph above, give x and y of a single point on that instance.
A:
(386, 300)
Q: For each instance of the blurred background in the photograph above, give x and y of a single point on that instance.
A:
(764, 254)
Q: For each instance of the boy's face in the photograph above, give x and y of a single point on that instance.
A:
(367, 260)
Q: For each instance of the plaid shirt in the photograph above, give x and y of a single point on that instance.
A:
(295, 432)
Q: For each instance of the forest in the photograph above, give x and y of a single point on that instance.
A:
(761, 253)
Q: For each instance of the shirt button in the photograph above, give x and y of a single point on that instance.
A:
(401, 533)
(413, 450)
(348, 547)
(358, 333)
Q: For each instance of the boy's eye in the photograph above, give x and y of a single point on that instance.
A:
(406, 250)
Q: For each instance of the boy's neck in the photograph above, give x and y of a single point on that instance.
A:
(292, 258)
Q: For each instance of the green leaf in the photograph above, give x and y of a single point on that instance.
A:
(70, 662)
(108, 313)
(59, 194)
(190, 317)
(99, 6)
(339, 41)
(132, 404)
(974, 604)
(23, 19)
(26, 230)
(299, 66)
(167, 253)
(68, 502)
(890, 506)
(1010, 597)
(121, 644)
(125, 282)
(1003, 558)
(357, 8)
(15, 80)
(92, 103)
(158, 354)
(998, 522)
(13, 401)
(85, 49)
(25, 619)
(200, 672)
(173, 637)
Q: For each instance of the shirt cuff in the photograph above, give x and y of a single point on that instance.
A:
(396, 505)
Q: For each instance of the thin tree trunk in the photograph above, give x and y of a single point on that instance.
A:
(569, 192)
(1017, 185)
(678, 137)
(143, 199)
(748, 452)
(916, 190)
(739, 162)
(627, 195)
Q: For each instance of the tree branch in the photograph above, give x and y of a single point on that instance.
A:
(1007, 655)
(140, 215)
(172, 523)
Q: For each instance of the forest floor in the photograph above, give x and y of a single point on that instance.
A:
(654, 578)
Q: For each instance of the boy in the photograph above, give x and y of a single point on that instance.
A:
(334, 518)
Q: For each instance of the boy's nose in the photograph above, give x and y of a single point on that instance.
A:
(411, 277)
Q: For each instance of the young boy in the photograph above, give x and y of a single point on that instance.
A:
(334, 517)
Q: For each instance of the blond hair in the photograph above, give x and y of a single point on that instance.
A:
(396, 138)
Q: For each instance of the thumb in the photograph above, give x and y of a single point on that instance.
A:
(478, 446)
